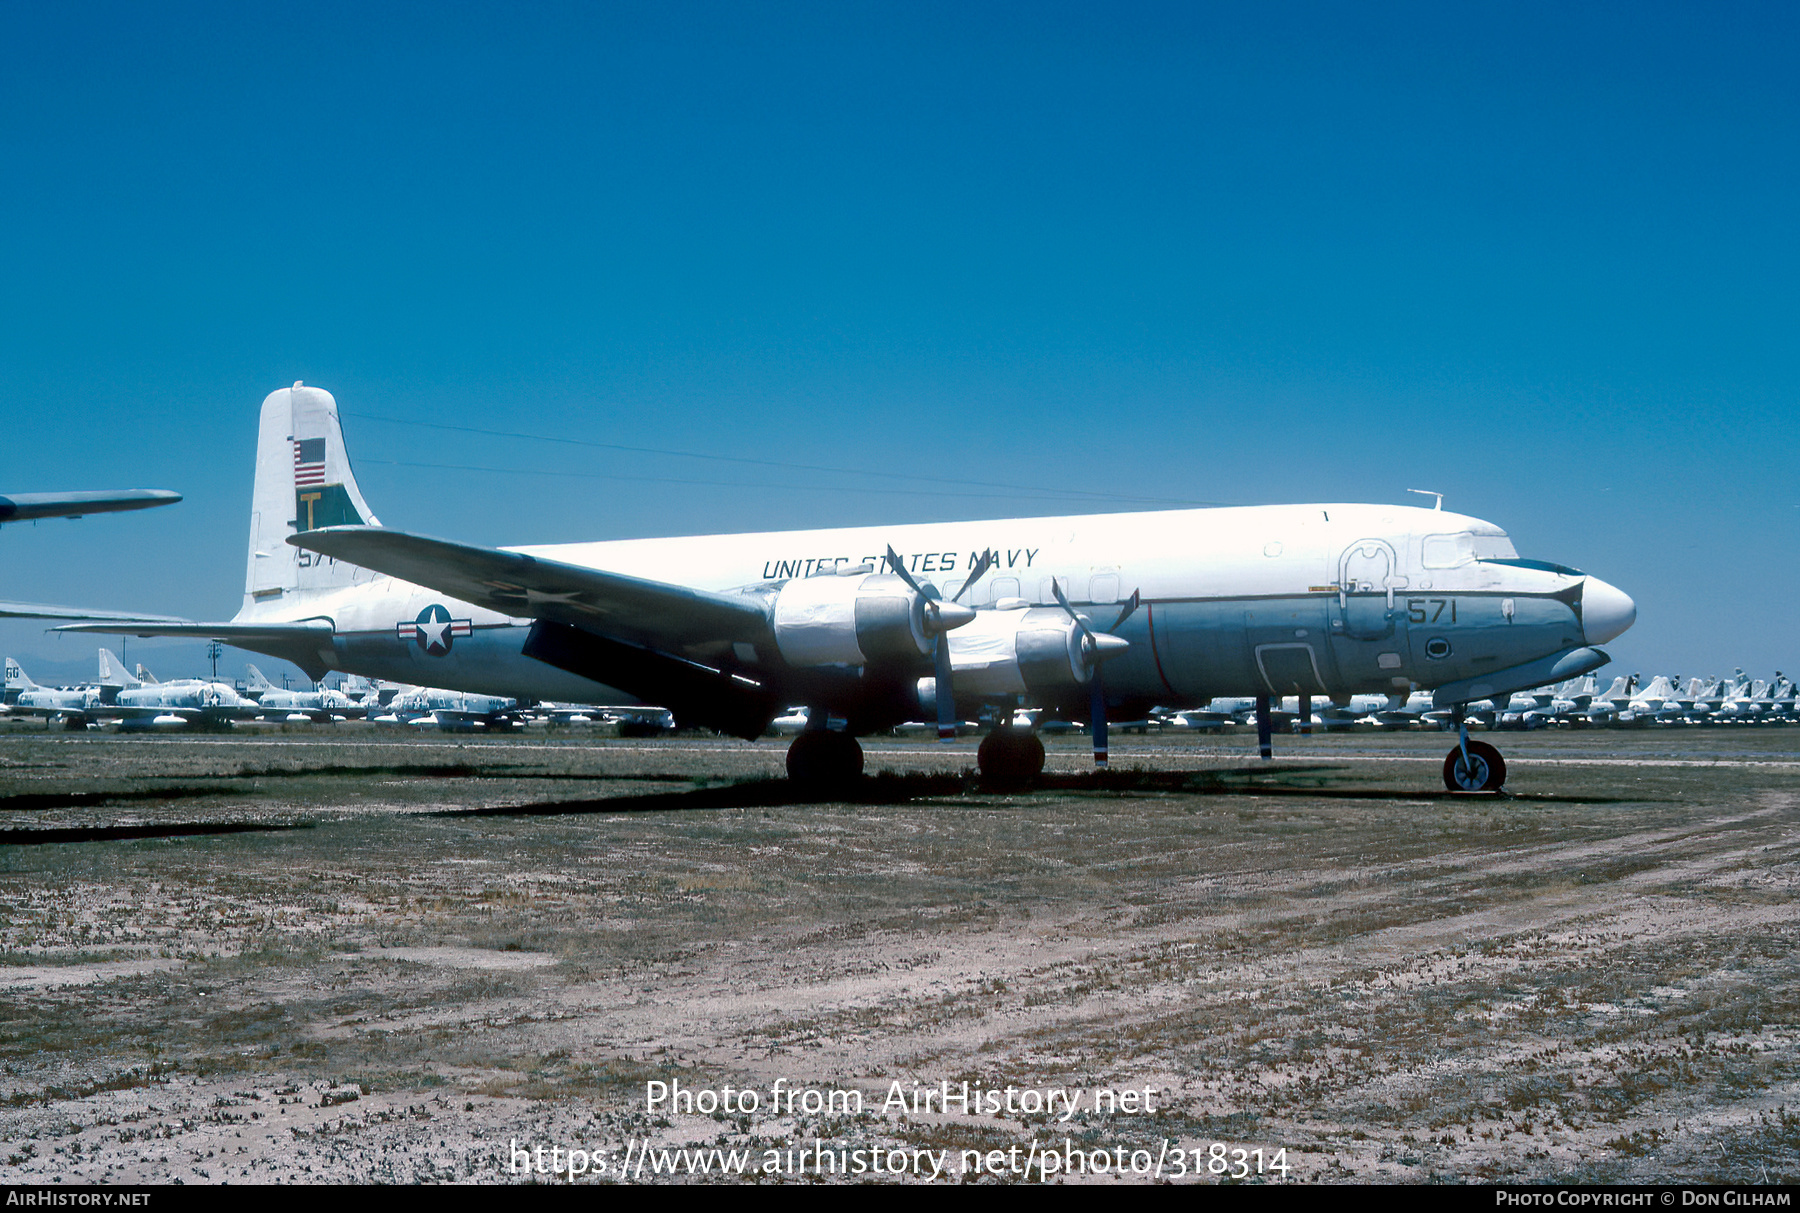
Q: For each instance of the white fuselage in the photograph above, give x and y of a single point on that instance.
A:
(1319, 599)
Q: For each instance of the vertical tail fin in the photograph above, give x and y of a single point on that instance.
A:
(112, 672)
(17, 679)
(257, 681)
(303, 482)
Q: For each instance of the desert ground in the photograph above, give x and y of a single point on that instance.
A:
(316, 955)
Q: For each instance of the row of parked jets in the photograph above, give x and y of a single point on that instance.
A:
(1576, 702)
(138, 700)
(1626, 700)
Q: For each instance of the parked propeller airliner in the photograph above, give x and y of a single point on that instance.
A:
(1099, 614)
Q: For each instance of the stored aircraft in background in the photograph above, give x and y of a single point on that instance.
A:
(449, 709)
(1098, 615)
(279, 703)
(122, 698)
(72, 707)
(142, 702)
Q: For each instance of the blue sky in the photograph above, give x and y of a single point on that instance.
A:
(1540, 257)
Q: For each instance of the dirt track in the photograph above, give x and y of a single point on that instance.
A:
(1593, 979)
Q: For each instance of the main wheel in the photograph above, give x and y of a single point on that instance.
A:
(1010, 757)
(1483, 771)
(821, 758)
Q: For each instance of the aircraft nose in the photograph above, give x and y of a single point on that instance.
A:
(1606, 611)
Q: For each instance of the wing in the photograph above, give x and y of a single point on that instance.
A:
(654, 614)
(17, 507)
(38, 610)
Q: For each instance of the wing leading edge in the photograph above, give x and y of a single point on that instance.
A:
(653, 614)
(667, 644)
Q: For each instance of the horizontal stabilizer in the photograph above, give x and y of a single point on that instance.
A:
(20, 507)
(230, 633)
(654, 613)
(307, 643)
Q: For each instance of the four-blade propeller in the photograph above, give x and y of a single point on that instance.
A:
(1096, 647)
(939, 618)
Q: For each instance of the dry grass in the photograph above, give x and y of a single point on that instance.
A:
(1593, 979)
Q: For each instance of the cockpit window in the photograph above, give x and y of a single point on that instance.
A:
(1453, 551)
(1448, 551)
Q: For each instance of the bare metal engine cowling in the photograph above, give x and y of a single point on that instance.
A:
(1034, 650)
(862, 619)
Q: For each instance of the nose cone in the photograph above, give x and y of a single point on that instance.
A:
(1606, 611)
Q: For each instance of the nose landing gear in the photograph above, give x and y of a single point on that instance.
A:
(1473, 766)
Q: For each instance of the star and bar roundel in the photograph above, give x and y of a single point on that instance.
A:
(434, 630)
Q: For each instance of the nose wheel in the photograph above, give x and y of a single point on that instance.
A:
(1481, 769)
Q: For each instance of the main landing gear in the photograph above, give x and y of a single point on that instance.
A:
(1010, 757)
(822, 758)
(1473, 766)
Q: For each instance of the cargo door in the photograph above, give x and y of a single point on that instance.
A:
(1287, 649)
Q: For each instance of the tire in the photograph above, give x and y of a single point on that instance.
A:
(823, 759)
(1485, 770)
(1010, 758)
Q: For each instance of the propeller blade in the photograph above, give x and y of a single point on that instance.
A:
(1062, 600)
(946, 695)
(899, 568)
(981, 566)
(1097, 713)
(1130, 609)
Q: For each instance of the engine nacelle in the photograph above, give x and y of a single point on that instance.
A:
(862, 619)
(1032, 650)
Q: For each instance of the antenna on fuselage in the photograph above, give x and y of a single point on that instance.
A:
(1431, 493)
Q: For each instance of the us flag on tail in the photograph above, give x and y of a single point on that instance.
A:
(309, 461)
